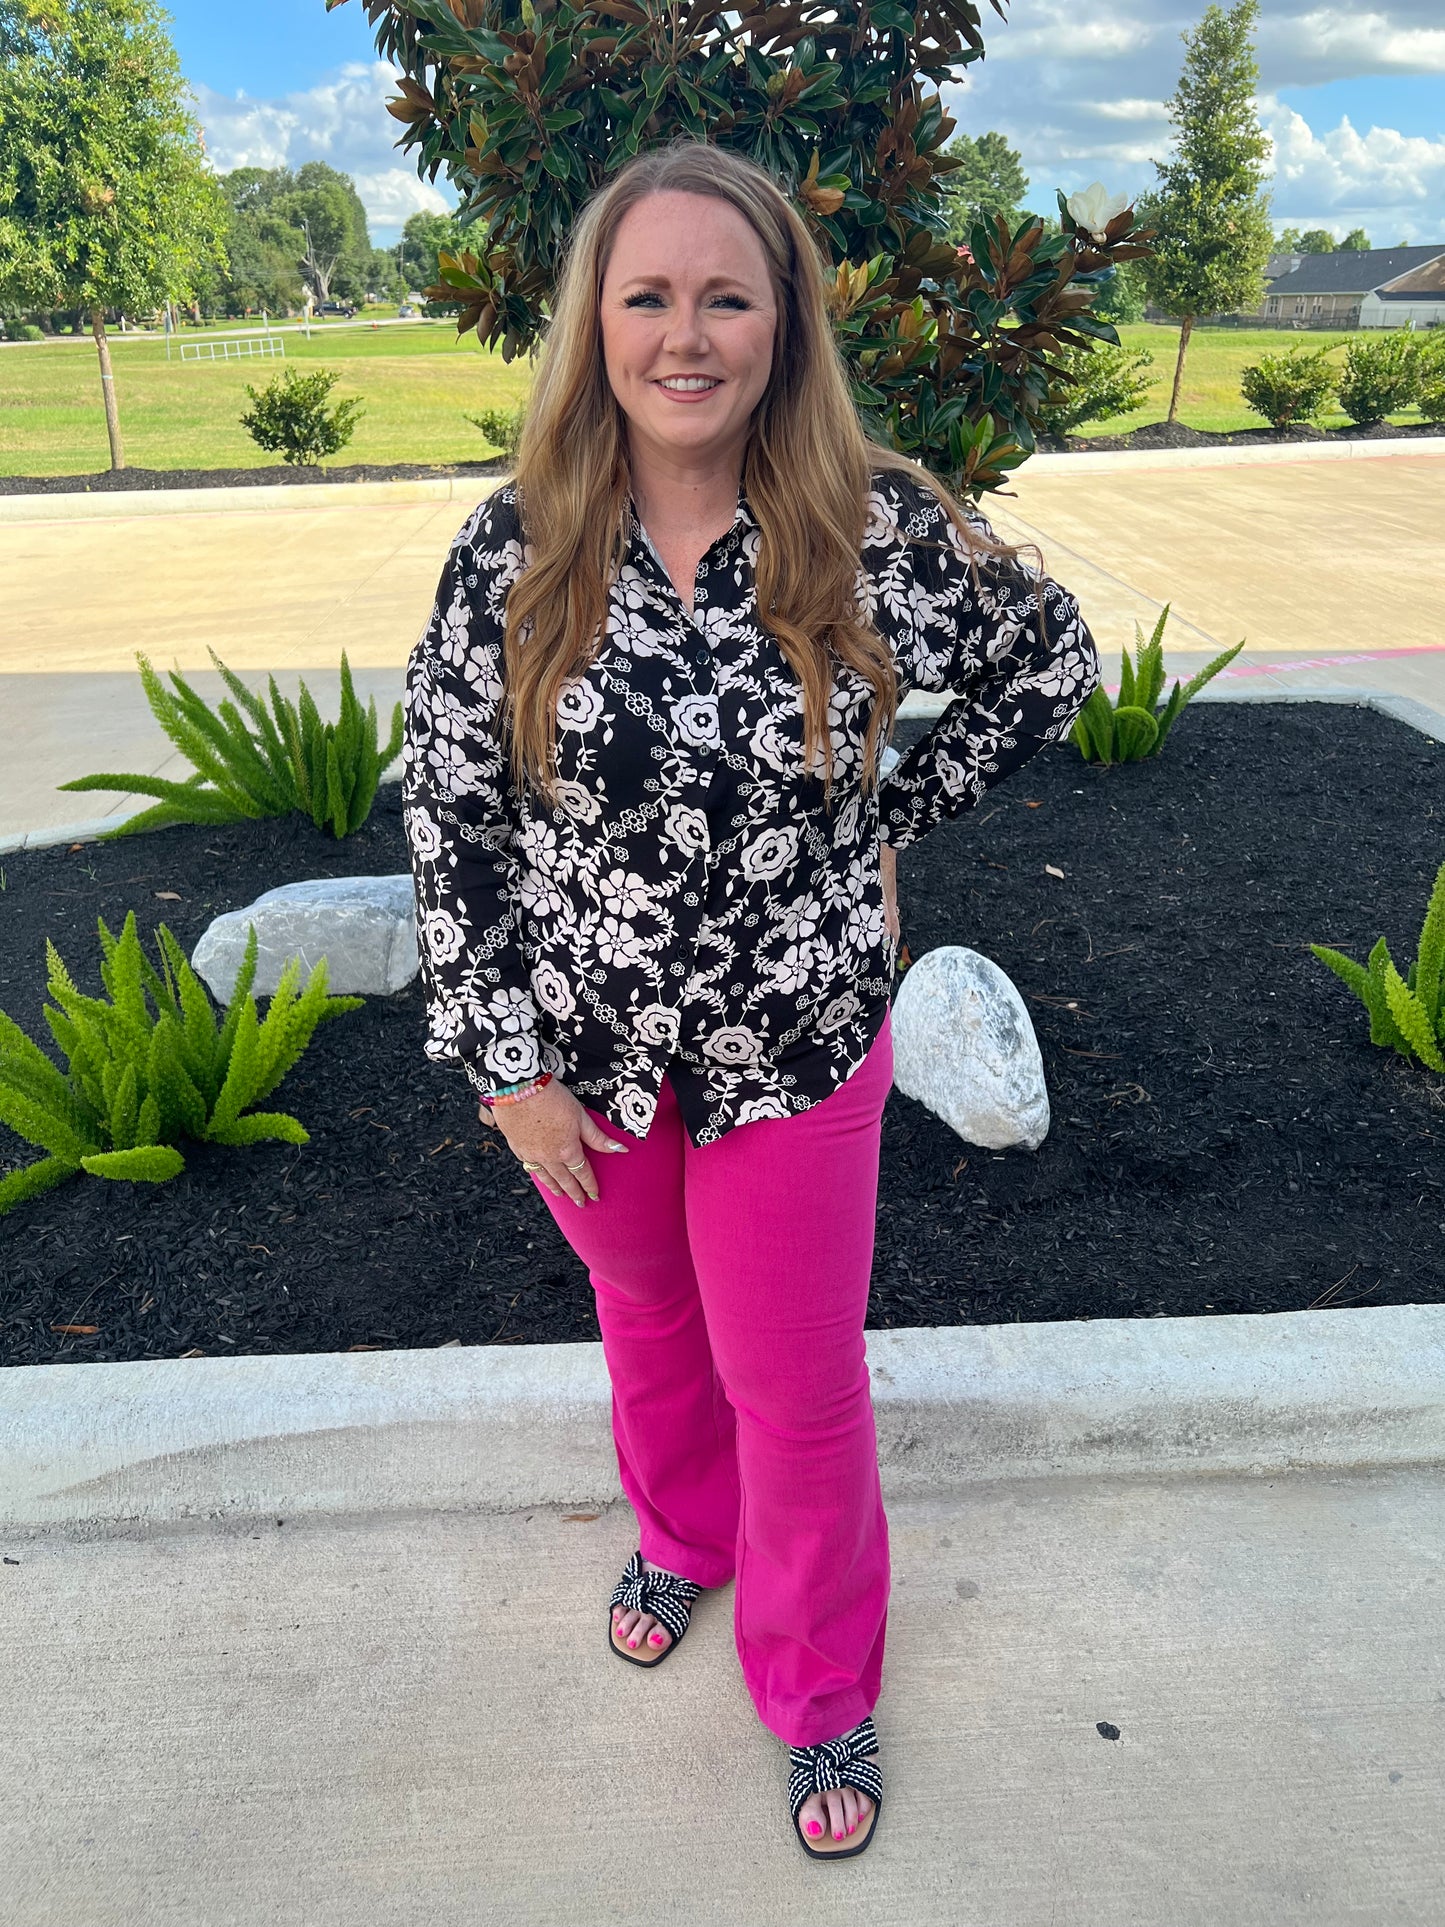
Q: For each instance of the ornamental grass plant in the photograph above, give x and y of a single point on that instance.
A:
(148, 1068)
(282, 760)
(1132, 729)
(1407, 1014)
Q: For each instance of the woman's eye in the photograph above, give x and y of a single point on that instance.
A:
(636, 300)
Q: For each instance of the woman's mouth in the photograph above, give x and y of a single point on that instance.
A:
(693, 389)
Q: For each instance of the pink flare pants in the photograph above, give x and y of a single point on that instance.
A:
(732, 1283)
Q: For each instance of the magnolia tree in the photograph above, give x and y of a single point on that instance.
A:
(530, 105)
(105, 198)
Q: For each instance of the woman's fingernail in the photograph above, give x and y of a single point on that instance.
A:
(815, 1827)
(578, 1203)
(616, 1147)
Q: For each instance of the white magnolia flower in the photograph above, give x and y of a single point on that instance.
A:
(1094, 207)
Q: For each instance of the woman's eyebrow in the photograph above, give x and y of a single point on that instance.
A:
(662, 280)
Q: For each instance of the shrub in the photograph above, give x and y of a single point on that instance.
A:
(1127, 733)
(1381, 376)
(1293, 387)
(138, 1085)
(502, 427)
(327, 771)
(1406, 1013)
(1092, 384)
(291, 417)
(1430, 364)
(23, 331)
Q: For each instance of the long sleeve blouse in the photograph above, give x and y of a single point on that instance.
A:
(688, 907)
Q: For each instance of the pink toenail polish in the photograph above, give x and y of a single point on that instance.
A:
(837, 1833)
(632, 1642)
(815, 1827)
(656, 1639)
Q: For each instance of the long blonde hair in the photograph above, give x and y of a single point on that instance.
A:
(806, 473)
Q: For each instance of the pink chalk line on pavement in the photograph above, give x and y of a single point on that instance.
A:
(1314, 662)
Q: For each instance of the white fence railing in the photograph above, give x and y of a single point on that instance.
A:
(232, 350)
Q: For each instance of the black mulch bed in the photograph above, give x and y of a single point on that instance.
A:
(108, 481)
(1176, 435)
(1224, 1137)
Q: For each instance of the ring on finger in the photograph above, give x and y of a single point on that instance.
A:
(576, 1167)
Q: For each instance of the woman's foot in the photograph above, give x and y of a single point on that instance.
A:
(836, 1818)
(640, 1633)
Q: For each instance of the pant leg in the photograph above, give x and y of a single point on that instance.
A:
(671, 1421)
(781, 1217)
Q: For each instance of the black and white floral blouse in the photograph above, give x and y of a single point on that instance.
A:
(689, 908)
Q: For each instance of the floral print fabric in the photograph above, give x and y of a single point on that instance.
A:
(689, 907)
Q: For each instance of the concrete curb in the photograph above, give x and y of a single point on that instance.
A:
(264, 496)
(497, 1427)
(257, 497)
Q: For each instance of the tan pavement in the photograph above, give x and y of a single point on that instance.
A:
(1307, 561)
(1210, 1701)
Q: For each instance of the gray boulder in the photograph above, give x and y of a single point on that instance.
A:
(365, 927)
(964, 1045)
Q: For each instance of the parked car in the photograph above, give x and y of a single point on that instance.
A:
(337, 307)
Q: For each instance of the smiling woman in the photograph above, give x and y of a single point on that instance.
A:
(647, 816)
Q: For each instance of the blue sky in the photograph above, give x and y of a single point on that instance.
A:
(1352, 95)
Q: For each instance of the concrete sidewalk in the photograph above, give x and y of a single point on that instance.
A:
(1330, 570)
(1185, 1702)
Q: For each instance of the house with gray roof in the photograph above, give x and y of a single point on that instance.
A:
(1356, 288)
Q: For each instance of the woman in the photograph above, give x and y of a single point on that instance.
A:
(651, 849)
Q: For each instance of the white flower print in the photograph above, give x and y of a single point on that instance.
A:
(696, 721)
(770, 854)
(578, 801)
(635, 1109)
(839, 1011)
(756, 1110)
(551, 989)
(512, 1058)
(657, 1025)
(425, 837)
(578, 705)
(683, 904)
(732, 1044)
(687, 828)
(443, 936)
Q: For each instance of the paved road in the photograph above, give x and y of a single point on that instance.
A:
(1330, 570)
(411, 1721)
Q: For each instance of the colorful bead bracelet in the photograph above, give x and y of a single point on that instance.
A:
(510, 1093)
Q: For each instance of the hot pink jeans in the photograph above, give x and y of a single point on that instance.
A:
(732, 1281)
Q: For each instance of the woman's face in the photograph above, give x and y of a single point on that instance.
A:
(686, 292)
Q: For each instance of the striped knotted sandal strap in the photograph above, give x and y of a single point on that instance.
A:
(666, 1597)
(833, 1764)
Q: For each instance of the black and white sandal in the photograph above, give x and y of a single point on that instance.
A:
(666, 1597)
(822, 1769)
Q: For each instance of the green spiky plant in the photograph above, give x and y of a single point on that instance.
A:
(267, 767)
(1407, 1014)
(137, 1085)
(1125, 732)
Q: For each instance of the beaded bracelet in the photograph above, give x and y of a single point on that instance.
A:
(512, 1093)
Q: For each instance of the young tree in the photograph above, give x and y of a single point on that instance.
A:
(106, 201)
(990, 182)
(1209, 208)
(531, 107)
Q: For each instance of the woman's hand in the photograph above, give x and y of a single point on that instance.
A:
(551, 1129)
(888, 864)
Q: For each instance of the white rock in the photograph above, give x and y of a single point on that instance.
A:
(365, 927)
(964, 1045)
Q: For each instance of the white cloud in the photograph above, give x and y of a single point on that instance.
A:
(342, 121)
(1389, 183)
(1081, 94)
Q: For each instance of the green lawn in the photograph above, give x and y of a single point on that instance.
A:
(418, 383)
(1210, 396)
